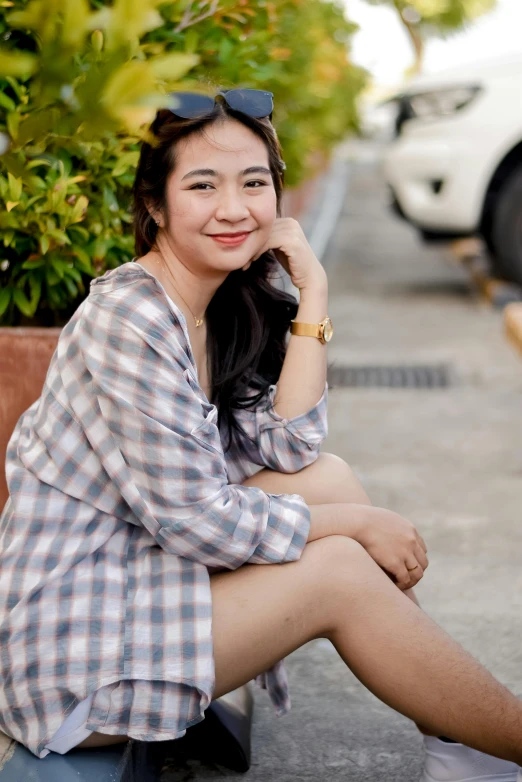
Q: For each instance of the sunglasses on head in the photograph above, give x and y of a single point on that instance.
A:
(253, 103)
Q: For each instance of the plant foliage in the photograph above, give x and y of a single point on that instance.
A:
(80, 80)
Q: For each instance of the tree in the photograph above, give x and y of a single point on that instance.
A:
(426, 18)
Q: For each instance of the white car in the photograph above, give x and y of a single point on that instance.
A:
(455, 166)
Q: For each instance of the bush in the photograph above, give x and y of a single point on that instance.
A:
(79, 83)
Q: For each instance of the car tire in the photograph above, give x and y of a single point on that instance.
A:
(506, 230)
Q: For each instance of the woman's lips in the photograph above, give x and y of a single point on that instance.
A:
(232, 240)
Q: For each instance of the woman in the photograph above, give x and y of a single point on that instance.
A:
(146, 567)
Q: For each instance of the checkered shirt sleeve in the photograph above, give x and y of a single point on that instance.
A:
(283, 444)
(158, 440)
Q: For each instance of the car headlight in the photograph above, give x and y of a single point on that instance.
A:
(442, 102)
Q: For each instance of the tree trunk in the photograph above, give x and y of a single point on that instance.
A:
(416, 39)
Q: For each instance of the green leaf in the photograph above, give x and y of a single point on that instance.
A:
(225, 50)
(35, 284)
(60, 236)
(109, 199)
(191, 41)
(44, 244)
(39, 162)
(22, 302)
(8, 238)
(5, 298)
(17, 88)
(173, 66)
(77, 212)
(71, 287)
(58, 266)
(33, 264)
(15, 187)
(125, 161)
(13, 63)
(13, 123)
(7, 102)
(51, 276)
(78, 230)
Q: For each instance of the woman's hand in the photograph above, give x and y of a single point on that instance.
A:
(293, 252)
(394, 544)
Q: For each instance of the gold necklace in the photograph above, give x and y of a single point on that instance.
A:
(197, 321)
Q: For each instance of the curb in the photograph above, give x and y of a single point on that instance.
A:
(513, 324)
(328, 204)
(321, 215)
(499, 293)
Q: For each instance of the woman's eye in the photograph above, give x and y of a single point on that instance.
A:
(254, 184)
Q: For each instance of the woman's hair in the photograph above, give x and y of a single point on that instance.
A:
(248, 318)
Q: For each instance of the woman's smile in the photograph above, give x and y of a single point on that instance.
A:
(231, 239)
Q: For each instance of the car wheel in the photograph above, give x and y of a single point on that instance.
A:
(506, 230)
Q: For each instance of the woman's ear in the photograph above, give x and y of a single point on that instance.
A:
(155, 214)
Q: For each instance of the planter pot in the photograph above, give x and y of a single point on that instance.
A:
(25, 354)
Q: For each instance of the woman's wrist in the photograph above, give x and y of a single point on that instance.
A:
(313, 302)
(315, 285)
(340, 518)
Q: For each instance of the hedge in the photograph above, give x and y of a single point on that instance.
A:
(79, 83)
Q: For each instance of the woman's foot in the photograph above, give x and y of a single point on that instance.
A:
(448, 762)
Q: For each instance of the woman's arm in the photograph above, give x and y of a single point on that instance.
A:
(303, 376)
(391, 540)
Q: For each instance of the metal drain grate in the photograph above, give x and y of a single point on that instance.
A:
(435, 376)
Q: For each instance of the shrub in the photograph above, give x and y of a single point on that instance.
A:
(79, 83)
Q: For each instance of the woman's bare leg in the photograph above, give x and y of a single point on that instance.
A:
(262, 613)
(328, 480)
(361, 611)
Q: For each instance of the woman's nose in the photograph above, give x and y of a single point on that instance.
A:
(231, 207)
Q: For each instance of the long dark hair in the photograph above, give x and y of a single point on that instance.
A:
(248, 317)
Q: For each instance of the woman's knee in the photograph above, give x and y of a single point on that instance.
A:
(334, 555)
(339, 480)
(338, 566)
(327, 480)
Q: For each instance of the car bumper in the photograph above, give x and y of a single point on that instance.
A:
(432, 182)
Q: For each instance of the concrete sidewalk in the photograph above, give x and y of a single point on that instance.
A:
(448, 459)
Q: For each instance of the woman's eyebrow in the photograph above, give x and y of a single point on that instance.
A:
(211, 172)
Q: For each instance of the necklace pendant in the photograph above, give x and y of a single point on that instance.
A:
(199, 322)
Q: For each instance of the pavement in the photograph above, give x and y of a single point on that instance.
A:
(448, 459)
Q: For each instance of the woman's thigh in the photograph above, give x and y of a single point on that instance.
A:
(262, 613)
(328, 479)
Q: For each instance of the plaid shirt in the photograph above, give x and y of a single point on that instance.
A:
(121, 498)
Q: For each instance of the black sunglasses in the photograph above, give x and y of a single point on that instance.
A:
(253, 103)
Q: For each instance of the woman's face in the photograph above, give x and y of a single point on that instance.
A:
(221, 200)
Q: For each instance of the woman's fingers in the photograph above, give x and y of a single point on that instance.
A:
(421, 542)
(414, 567)
(421, 557)
(405, 578)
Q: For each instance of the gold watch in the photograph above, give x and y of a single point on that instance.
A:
(323, 330)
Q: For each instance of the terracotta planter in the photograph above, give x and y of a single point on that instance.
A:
(25, 354)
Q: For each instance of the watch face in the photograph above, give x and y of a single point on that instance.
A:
(328, 329)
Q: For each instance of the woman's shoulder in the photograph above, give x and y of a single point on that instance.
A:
(129, 299)
(130, 291)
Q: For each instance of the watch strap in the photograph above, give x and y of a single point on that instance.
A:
(306, 329)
